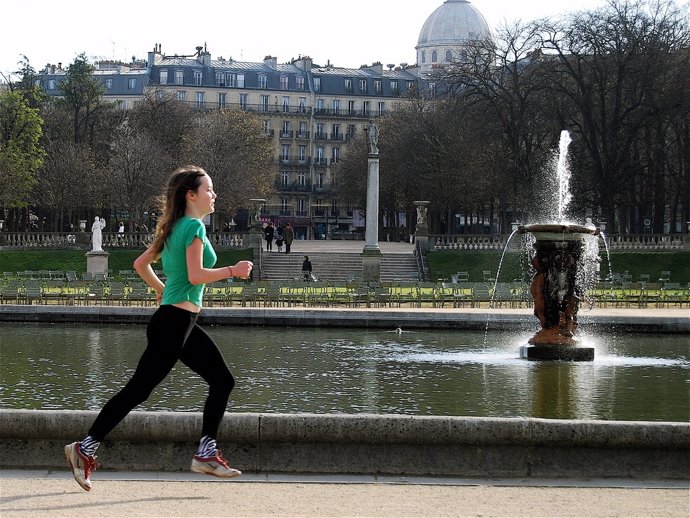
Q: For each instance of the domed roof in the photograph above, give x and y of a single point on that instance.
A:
(456, 21)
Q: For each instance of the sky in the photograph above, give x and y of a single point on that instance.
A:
(346, 34)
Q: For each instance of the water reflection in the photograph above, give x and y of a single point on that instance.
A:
(352, 371)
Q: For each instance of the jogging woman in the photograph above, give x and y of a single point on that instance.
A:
(172, 332)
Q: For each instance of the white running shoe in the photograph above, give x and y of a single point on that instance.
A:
(81, 465)
(215, 465)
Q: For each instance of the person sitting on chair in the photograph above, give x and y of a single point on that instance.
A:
(306, 268)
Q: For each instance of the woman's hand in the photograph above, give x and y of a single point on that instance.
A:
(242, 269)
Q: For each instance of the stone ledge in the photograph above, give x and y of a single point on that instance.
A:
(362, 443)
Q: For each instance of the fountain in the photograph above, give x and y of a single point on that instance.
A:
(560, 262)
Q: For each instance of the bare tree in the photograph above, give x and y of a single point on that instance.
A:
(232, 146)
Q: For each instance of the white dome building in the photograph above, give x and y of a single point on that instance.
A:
(446, 31)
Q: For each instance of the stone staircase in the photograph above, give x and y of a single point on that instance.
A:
(336, 266)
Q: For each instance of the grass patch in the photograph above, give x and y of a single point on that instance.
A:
(443, 264)
(75, 260)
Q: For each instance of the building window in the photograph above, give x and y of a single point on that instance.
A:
(299, 82)
(362, 86)
(163, 76)
(230, 80)
(285, 206)
(320, 106)
(198, 78)
(434, 56)
(286, 103)
(320, 133)
(320, 183)
(51, 84)
(365, 108)
(423, 56)
(262, 81)
(320, 155)
(243, 101)
(264, 103)
(181, 96)
(303, 105)
(240, 80)
(179, 77)
(284, 178)
(267, 126)
(335, 134)
(449, 56)
(286, 129)
(303, 129)
(382, 107)
(283, 82)
(351, 129)
(394, 87)
(410, 86)
(108, 83)
(301, 179)
(348, 86)
(317, 84)
(378, 88)
(221, 100)
(285, 153)
(336, 106)
(301, 207)
(301, 153)
(131, 83)
(200, 99)
(220, 79)
(432, 89)
(350, 107)
(335, 155)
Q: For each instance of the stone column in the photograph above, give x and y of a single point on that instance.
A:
(371, 255)
(422, 229)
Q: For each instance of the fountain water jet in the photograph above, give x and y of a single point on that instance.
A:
(557, 287)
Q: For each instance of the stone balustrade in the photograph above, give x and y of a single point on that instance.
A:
(617, 242)
(111, 240)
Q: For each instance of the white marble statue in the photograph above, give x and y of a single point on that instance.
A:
(97, 234)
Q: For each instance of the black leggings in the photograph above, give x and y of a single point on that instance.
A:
(172, 335)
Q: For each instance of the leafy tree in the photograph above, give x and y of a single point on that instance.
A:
(82, 96)
(20, 152)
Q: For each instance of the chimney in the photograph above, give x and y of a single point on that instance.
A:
(270, 61)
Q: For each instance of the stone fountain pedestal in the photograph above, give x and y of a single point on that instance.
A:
(555, 288)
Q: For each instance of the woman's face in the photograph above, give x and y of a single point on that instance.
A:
(203, 199)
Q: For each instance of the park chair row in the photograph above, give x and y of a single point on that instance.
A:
(77, 293)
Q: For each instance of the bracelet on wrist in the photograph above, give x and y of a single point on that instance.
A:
(230, 270)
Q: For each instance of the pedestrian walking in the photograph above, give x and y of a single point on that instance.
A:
(288, 236)
(269, 232)
(173, 333)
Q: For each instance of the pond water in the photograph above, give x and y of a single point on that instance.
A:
(336, 370)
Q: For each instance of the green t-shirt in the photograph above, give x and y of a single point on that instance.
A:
(174, 258)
